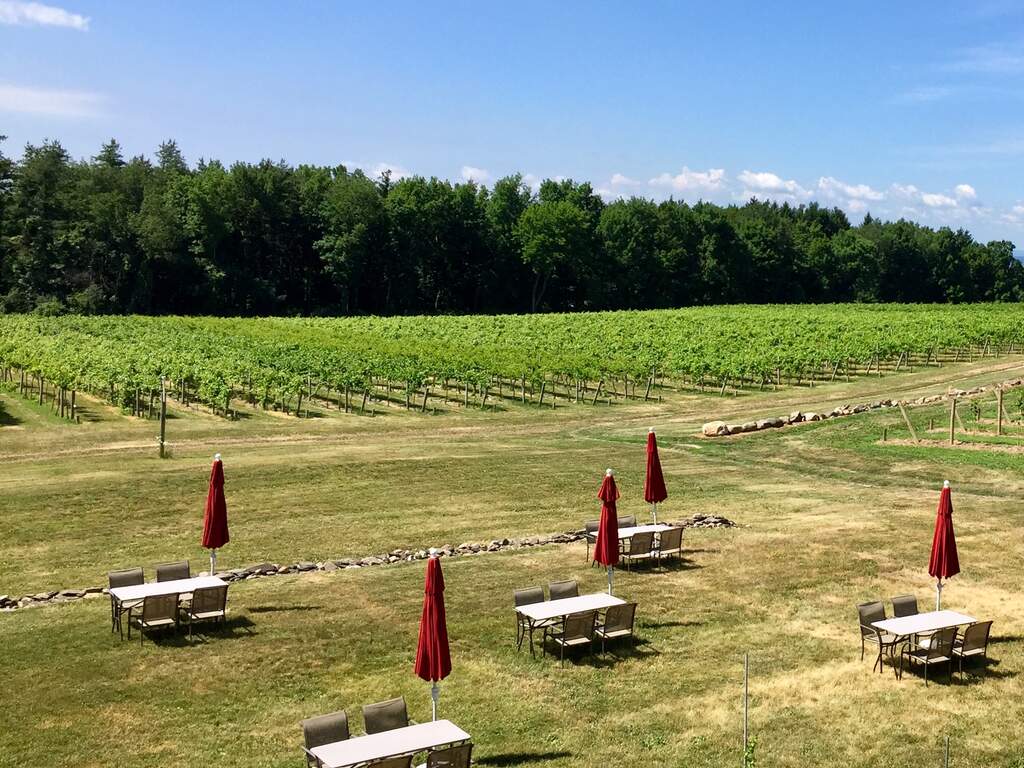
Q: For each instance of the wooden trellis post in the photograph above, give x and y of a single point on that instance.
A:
(952, 420)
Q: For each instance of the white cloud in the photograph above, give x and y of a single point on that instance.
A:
(46, 101)
(832, 187)
(19, 13)
(618, 180)
(477, 175)
(965, 192)
(397, 171)
(924, 95)
(687, 180)
(532, 180)
(935, 200)
(769, 184)
(990, 59)
(856, 206)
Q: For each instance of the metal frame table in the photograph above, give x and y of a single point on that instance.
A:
(394, 743)
(539, 614)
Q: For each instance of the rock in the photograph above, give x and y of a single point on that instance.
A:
(749, 426)
(285, 569)
(350, 567)
(795, 417)
(715, 428)
(330, 566)
(305, 565)
(811, 416)
(71, 593)
(44, 595)
(93, 590)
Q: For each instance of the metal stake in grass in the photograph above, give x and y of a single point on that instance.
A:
(746, 707)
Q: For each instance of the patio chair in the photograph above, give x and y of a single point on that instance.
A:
(973, 644)
(390, 762)
(208, 604)
(128, 577)
(577, 631)
(670, 544)
(590, 529)
(641, 547)
(870, 613)
(173, 571)
(527, 596)
(449, 757)
(323, 729)
(158, 611)
(559, 590)
(618, 622)
(939, 651)
(385, 715)
(627, 521)
(904, 605)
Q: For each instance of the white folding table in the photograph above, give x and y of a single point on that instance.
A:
(923, 623)
(183, 587)
(625, 533)
(546, 611)
(394, 743)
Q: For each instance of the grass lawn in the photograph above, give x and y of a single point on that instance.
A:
(829, 517)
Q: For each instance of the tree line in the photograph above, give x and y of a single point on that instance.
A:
(110, 235)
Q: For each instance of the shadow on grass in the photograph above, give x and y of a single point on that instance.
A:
(667, 624)
(6, 419)
(236, 628)
(284, 608)
(521, 758)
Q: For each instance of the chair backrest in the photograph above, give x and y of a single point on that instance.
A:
(942, 643)
(619, 617)
(452, 757)
(579, 625)
(128, 577)
(159, 607)
(904, 605)
(627, 521)
(671, 539)
(208, 599)
(641, 543)
(385, 715)
(562, 589)
(976, 636)
(870, 612)
(391, 762)
(592, 526)
(529, 596)
(325, 729)
(172, 571)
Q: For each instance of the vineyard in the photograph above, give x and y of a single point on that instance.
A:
(543, 360)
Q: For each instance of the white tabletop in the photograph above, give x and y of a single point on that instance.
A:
(552, 609)
(625, 533)
(923, 622)
(175, 586)
(400, 741)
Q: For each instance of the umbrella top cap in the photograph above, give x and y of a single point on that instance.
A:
(650, 430)
(434, 551)
(216, 457)
(945, 483)
(608, 472)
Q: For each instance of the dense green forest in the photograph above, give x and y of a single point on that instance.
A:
(113, 235)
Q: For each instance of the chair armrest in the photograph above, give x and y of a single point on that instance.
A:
(314, 758)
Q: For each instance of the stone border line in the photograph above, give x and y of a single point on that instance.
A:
(722, 428)
(262, 570)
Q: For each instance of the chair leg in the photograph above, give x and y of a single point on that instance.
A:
(862, 647)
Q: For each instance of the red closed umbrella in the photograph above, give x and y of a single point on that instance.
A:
(654, 482)
(433, 657)
(944, 562)
(606, 548)
(215, 518)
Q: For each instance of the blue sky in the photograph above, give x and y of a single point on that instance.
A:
(904, 109)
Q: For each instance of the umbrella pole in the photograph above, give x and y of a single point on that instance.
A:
(435, 695)
(610, 571)
(938, 594)
(654, 512)
(213, 562)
